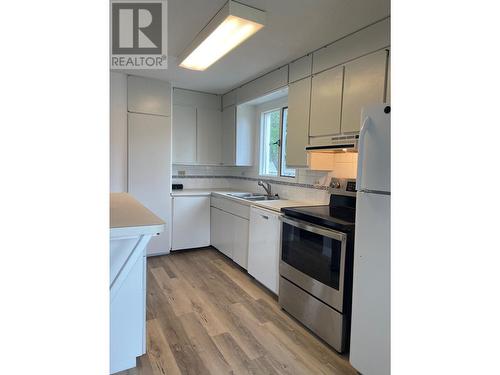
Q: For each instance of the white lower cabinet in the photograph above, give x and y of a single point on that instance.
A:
(190, 222)
(240, 240)
(264, 247)
(215, 228)
(221, 234)
(229, 232)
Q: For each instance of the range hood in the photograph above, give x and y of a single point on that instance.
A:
(337, 144)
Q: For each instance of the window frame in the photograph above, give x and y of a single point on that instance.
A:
(279, 174)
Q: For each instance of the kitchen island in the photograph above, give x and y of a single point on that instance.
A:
(131, 227)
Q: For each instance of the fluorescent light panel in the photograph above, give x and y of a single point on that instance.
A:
(231, 26)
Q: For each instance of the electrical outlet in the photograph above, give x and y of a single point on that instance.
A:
(181, 173)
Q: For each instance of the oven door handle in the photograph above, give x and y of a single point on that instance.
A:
(330, 233)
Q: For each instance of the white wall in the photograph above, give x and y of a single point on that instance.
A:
(118, 132)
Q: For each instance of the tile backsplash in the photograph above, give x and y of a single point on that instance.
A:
(308, 185)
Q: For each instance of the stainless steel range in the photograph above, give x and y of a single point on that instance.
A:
(317, 244)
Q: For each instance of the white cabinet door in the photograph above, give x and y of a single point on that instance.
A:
(184, 134)
(216, 230)
(190, 222)
(326, 102)
(229, 99)
(149, 177)
(240, 241)
(150, 96)
(229, 135)
(222, 231)
(227, 228)
(209, 136)
(245, 123)
(300, 68)
(360, 43)
(297, 132)
(127, 320)
(263, 247)
(364, 84)
(258, 87)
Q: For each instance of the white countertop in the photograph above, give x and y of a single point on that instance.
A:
(274, 205)
(129, 217)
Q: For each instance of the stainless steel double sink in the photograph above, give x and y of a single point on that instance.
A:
(253, 196)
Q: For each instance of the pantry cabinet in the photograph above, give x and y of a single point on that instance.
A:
(364, 84)
(297, 133)
(183, 134)
(326, 102)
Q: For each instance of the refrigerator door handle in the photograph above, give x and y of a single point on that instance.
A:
(361, 146)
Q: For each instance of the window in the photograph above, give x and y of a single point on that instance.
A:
(272, 141)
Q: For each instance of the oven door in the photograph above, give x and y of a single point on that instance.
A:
(313, 258)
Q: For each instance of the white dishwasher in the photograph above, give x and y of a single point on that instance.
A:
(264, 247)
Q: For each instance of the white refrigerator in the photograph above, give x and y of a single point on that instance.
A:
(370, 325)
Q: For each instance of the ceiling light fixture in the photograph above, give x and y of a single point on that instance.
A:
(231, 26)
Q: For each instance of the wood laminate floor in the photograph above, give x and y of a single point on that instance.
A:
(206, 316)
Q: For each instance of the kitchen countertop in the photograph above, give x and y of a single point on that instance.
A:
(274, 205)
(129, 217)
(199, 192)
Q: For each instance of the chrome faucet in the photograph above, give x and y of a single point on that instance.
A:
(266, 186)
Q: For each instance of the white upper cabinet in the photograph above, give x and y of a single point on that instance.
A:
(245, 121)
(229, 135)
(267, 83)
(209, 138)
(196, 128)
(364, 84)
(196, 99)
(183, 134)
(300, 68)
(237, 135)
(326, 102)
(362, 42)
(150, 96)
(229, 99)
(297, 134)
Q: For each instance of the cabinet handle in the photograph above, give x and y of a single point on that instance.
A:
(265, 217)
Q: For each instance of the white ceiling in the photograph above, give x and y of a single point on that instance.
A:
(293, 28)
